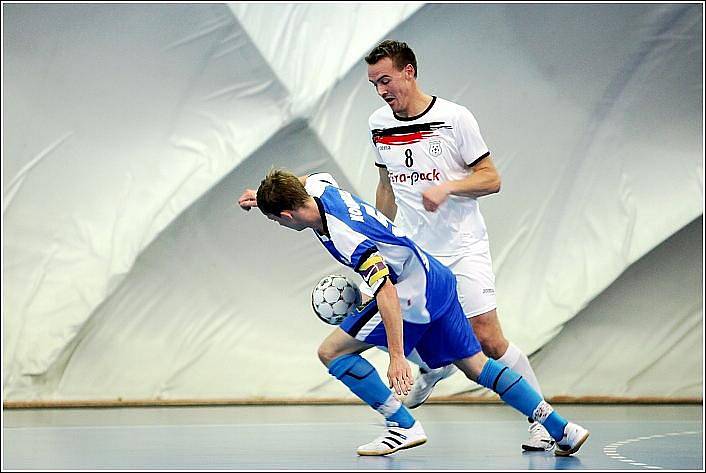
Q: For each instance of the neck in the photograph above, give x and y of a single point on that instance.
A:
(418, 102)
(313, 216)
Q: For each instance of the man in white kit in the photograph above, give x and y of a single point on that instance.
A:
(433, 165)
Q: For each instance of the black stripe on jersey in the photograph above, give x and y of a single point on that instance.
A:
(408, 119)
(479, 159)
(322, 211)
(407, 129)
(381, 165)
(322, 180)
(368, 311)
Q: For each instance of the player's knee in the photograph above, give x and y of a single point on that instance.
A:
(490, 337)
(492, 343)
(326, 354)
(493, 347)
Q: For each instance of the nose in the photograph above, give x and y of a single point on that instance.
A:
(381, 89)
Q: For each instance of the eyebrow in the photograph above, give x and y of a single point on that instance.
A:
(378, 79)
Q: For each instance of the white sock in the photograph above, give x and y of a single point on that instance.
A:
(514, 359)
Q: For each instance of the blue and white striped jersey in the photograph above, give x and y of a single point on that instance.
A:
(357, 235)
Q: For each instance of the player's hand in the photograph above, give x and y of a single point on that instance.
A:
(433, 197)
(399, 375)
(248, 200)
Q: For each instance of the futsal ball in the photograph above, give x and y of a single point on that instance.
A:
(334, 297)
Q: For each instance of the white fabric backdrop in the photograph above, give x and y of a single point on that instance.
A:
(130, 130)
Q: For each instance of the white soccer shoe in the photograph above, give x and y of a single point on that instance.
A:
(395, 438)
(539, 439)
(424, 385)
(574, 437)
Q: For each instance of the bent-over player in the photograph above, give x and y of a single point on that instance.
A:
(417, 307)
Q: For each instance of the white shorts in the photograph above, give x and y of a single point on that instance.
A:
(475, 281)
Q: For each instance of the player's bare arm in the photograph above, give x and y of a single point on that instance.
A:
(399, 372)
(483, 180)
(385, 196)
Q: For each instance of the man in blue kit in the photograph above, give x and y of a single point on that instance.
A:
(416, 306)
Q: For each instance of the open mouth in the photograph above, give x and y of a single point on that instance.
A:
(389, 100)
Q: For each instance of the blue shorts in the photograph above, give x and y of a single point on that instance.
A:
(439, 343)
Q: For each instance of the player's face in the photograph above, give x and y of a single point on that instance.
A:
(391, 84)
(287, 220)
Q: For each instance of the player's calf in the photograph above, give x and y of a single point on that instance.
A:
(518, 393)
(403, 431)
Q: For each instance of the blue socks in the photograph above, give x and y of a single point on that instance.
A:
(518, 393)
(361, 377)
(363, 380)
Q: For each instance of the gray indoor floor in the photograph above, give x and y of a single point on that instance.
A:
(461, 437)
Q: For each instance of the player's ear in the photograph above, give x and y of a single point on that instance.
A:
(286, 214)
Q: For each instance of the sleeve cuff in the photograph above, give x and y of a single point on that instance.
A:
(485, 155)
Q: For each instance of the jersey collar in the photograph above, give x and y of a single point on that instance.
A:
(409, 119)
(322, 212)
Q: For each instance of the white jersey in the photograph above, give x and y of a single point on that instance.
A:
(438, 145)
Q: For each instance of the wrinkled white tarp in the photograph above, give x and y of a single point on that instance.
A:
(311, 46)
(130, 130)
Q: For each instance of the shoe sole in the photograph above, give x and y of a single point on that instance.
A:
(531, 448)
(565, 453)
(370, 453)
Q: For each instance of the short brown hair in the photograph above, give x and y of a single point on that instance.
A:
(280, 190)
(400, 53)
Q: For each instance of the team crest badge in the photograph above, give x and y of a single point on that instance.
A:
(435, 148)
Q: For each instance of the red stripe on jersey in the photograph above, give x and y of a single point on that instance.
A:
(406, 139)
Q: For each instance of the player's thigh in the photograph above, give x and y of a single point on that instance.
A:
(490, 334)
(339, 343)
(487, 324)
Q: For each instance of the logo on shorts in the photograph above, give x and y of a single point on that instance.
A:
(488, 291)
(435, 148)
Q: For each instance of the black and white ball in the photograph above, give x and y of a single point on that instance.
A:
(334, 297)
